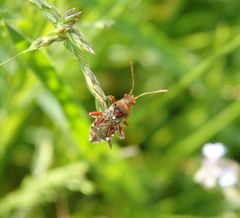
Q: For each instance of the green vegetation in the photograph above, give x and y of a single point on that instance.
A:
(48, 168)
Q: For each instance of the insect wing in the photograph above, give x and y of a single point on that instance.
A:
(105, 126)
(101, 125)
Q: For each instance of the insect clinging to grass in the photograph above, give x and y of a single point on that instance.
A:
(115, 117)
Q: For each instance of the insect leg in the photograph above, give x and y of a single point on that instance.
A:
(111, 131)
(95, 114)
(121, 132)
(110, 143)
(126, 122)
(99, 121)
(112, 99)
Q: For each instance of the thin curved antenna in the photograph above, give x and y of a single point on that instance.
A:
(133, 82)
(153, 92)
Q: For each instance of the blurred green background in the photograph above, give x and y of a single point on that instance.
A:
(47, 166)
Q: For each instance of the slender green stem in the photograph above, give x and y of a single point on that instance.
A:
(17, 55)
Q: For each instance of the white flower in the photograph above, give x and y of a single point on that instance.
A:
(214, 151)
(229, 176)
(208, 174)
(215, 169)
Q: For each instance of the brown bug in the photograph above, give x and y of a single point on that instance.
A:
(108, 122)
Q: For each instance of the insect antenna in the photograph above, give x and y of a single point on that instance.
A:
(145, 93)
(153, 92)
(133, 82)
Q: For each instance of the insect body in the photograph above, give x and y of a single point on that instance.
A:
(111, 120)
(115, 117)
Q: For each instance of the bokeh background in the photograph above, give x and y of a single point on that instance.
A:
(47, 166)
